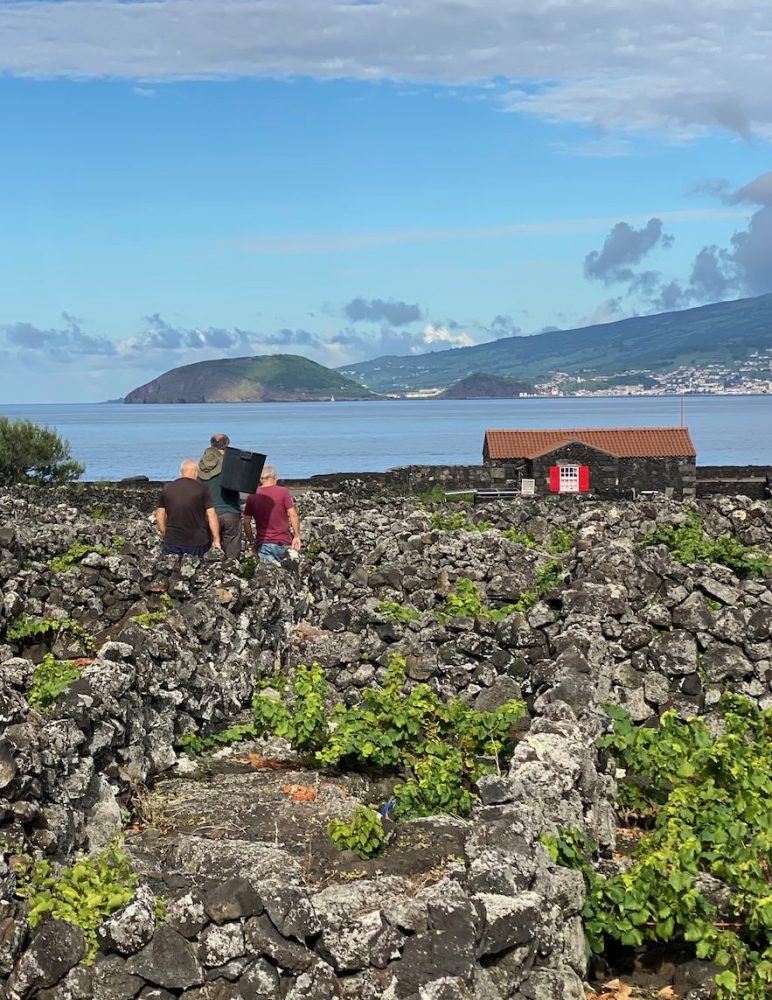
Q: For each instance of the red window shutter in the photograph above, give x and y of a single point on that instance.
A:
(584, 479)
(554, 479)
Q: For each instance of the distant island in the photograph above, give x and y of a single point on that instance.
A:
(267, 378)
(483, 386)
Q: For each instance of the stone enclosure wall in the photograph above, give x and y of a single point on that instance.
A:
(488, 915)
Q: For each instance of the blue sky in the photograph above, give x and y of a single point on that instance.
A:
(189, 179)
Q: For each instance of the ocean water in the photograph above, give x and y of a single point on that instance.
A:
(115, 440)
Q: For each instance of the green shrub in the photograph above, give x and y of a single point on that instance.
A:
(75, 555)
(149, 618)
(195, 745)
(393, 611)
(27, 628)
(457, 521)
(560, 540)
(305, 724)
(440, 744)
(364, 835)
(687, 544)
(548, 577)
(708, 799)
(49, 679)
(466, 601)
(85, 893)
(438, 785)
(513, 535)
(33, 454)
(435, 495)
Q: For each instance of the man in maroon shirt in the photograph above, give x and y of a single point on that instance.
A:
(276, 520)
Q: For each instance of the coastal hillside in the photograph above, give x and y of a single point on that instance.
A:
(263, 379)
(725, 332)
(482, 386)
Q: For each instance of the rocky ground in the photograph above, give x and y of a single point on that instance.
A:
(258, 902)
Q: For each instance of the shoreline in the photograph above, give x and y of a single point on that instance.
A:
(413, 399)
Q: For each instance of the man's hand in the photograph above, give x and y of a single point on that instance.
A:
(214, 527)
(294, 521)
(160, 520)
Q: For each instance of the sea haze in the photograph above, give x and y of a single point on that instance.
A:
(115, 440)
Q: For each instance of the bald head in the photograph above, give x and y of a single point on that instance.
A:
(189, 468)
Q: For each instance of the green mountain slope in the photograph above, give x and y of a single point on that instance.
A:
(482, 386)
(725, 331)
(262, 379)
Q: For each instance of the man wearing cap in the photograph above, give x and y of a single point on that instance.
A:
(226, 502)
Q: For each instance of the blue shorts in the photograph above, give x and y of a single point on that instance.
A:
(271, 552)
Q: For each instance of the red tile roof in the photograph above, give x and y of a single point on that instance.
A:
(622, 442)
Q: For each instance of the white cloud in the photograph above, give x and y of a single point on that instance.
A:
(434, 335)
(685, 66)
(159, 346)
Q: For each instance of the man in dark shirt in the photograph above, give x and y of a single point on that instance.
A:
(227, 503)
(275, 517)
(186, 516)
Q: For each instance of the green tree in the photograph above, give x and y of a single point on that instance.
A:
(30, 453)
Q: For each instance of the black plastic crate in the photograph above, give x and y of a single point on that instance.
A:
(241, 470)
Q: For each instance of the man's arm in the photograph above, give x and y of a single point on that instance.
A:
(160, 520)
(214, 526)
(294, 521)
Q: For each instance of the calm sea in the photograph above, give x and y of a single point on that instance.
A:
(115, 440)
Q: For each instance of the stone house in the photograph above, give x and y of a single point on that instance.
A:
(607, 462)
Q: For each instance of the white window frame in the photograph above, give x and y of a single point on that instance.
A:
(569, 478)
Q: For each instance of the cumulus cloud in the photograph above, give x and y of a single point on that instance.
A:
(349, 346)
(623, 247)
(606, 311)
(743, 267)
(444, 336)
(504, 326)
(58, 343)
(292, 338)
(689, 67)
(159, 336)
(159, 345)
(361, 310)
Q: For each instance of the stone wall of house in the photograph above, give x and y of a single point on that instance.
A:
(617, 478)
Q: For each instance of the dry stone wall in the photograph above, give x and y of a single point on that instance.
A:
(488, 915)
